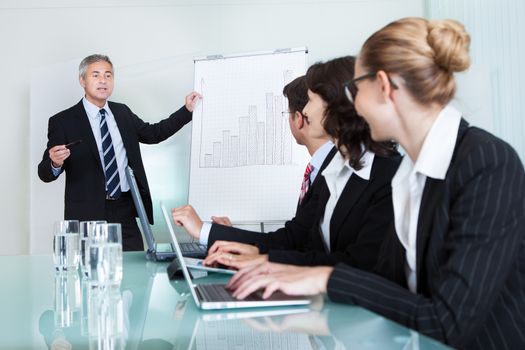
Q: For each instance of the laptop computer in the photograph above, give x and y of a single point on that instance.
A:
(198, 264)
(216, 296)
(159, 251)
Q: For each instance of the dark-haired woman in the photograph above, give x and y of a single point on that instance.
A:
(356, 202)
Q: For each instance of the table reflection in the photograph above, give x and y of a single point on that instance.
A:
(345, 327)
(232, 329)
(149, 311)
(82, 311)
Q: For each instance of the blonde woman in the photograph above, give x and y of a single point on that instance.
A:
(454, 267)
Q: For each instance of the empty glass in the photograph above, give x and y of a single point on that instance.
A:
(87, 229)
(105, 255)
(66, 245)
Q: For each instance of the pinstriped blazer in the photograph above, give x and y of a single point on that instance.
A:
(470, 254)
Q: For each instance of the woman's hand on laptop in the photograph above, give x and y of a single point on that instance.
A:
(235, 261)
(233, 247)
(187, 217)
(291, 280)
(262, 269)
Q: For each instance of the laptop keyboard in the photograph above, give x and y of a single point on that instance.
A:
(192, 247)
(217, 292)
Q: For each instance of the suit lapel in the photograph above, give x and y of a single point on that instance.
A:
(432, 194)
(432, 197)
(323, 198)
(353, 189)
(87, 132)
(318, 238)
(120, 119)
(326, 161)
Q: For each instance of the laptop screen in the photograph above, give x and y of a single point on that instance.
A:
(180, 258)
(139, 205)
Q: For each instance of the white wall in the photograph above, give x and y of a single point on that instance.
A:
(491, 93)
(152, 43)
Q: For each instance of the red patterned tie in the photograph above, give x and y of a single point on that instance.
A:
(306, 181)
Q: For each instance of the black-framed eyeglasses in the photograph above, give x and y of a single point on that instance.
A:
(351, 86)
(290, 114)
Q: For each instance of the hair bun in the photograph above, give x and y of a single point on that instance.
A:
(450, 43)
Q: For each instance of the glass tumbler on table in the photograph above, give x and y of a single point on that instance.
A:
(87, 229)
(105, 255)
(66, 245)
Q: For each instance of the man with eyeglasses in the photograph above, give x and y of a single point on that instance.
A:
(295, 231)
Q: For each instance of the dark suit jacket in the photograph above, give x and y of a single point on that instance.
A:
(359, 223)
(85, 183)
(294, 232)
(470, 254)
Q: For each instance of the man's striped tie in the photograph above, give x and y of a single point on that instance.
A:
(306, 182)
(110, 160)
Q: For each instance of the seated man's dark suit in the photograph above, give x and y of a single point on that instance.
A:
(359, 223)
(85, 191)
(293, 233)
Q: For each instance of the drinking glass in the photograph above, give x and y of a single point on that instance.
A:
(66, 245)
(105, 255)
(87, 229)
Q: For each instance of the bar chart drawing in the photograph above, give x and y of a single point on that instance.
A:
(254, 141)
(242, 146)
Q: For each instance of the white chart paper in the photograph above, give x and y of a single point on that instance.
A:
(245, 162)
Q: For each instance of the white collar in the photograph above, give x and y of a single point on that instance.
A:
(339, 163)
(320, 155)
(91, 109)
(437, 150)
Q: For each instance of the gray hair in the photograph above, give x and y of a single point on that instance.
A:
(92, 59)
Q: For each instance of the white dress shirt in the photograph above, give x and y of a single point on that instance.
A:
(409, 182)
(337, 174)
(92, 112)
(317, 161)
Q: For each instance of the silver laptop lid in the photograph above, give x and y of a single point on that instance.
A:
(277, 299)
(178, 253)
(141, 211)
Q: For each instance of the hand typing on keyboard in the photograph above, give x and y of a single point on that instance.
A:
(234, 261)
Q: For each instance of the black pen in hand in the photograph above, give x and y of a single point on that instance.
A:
(74, 143)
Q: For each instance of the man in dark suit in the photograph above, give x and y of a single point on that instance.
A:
(295, 230)
(94, 141)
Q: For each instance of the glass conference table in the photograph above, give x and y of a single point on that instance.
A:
(42, 309)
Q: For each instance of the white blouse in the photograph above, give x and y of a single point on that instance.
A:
(409, 182)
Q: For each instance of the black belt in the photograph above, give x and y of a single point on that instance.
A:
(122, 195)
